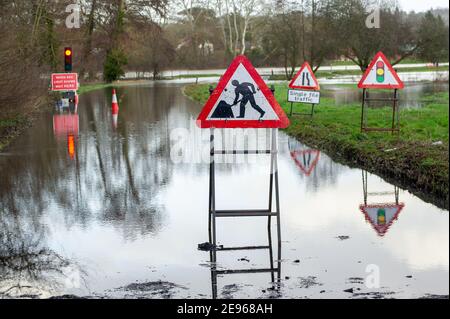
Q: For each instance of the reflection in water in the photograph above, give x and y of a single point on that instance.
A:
(316, 169)
(274, 267)
(67, 126)
(28, 268)
(381, 215)
(133, 218)
(305, 158)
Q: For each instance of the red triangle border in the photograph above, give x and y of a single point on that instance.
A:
(307, 66)
(361, 84)
(204, 122)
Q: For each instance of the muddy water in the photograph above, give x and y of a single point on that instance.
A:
(95, 205)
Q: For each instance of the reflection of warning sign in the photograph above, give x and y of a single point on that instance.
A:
(64, 124)
(380, 75)
(306, 160)
(243, 100)
(381, 216)
(305, 79)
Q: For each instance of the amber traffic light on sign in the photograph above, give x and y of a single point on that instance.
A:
(380, 71)
(68, 59)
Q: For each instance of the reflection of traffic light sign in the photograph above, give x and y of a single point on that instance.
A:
(71, 145)
(381, 216)
(68, 59)
(380, 71)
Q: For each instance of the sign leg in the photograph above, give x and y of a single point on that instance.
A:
(362, 109)
(394, 111)
(277, 190)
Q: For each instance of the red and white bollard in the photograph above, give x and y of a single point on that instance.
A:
(115, 109)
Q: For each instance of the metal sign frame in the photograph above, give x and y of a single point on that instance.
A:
(395, 125)
(214, 213)
(272, 270)
(381, 231)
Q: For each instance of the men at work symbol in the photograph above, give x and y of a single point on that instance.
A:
(247, 91)
(247, 96)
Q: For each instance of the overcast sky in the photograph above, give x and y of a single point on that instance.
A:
(422, 5)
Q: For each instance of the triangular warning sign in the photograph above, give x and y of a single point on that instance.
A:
(306, 160)
(381, 216)
(305, 79)
(380, 75)
(242, 100)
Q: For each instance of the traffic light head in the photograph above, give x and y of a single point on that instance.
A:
(68, 59)
(380, 71)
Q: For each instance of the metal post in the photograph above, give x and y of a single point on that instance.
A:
(269, 233)
(277, 190)
(211, 158)
(394, 110)
(291, 108)
(213, 189)
(396, 191)
(362, 109)
(364, 179)
(269, 219)
(213, 255)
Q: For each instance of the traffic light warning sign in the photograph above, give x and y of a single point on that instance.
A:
(380, 75)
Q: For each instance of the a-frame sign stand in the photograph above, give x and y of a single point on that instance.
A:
(242, 100)
(291, 112)
(380, 75)
(395, 124)
(214, 213)
(274, 266)
(304, 88)
(272, 210)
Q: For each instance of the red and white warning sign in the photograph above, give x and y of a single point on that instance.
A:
(242, 100)
(381, 216)
(380, 75)
(64, 81)
(305, 79)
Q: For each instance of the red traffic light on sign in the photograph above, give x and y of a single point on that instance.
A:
(68, 59)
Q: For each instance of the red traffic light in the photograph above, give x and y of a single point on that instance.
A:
(68, 52)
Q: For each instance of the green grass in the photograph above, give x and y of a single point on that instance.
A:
(417, 156)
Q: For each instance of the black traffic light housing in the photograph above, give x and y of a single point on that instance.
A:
(68, 53)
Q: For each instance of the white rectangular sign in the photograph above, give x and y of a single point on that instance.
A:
(301, 96)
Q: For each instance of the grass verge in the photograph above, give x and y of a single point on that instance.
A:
(416, 159)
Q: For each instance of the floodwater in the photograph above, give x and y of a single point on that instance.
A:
(101, 205)
(409, 97)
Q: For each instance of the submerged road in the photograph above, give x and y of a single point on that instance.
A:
(93, 205)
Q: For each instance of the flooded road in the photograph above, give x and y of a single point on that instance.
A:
(95, 205)
(409, 97)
